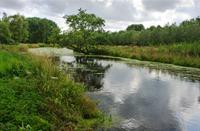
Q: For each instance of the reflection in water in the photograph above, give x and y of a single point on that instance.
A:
(87, 71)
(143, 99)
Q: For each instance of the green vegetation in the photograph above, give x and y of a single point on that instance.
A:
(5, 36)
(175, 44)
(35, 95)
(18, 29)
(83, 26)
(42, 31)
(185, 54)
(136, 27)
(188, 31)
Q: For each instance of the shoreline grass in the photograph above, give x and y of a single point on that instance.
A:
(35, 95)
(183, 54)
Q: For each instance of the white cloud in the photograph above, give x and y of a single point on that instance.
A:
(117, 13)
(160, 5)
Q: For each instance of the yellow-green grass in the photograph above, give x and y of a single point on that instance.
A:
(184, 54)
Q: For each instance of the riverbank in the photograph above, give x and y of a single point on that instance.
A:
(184, 54)
(35, 95)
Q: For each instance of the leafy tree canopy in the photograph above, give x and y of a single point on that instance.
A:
(83, 27)
(42, 30)
(5, 36)
(18, 27)
(136, 27)
(84, 21)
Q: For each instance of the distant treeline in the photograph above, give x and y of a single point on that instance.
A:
(187, 31)
(18, 29)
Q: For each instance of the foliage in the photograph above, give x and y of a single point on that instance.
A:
(84, 21)
(35, 95)
(83, 25)
(135, 27)
(187, 31)
(42, 30)
(185, 54)
(5, 36)
(54, 37)
(18, 27)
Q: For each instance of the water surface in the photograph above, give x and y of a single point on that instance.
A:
(138, 97)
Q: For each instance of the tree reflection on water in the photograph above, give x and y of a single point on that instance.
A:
(88, 71)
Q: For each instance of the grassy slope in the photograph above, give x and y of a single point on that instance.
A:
(35, 95)
(185, 54)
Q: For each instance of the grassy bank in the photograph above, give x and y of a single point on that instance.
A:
(184, 54)
(35, 95)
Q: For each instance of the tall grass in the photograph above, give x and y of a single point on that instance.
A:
(184, 54)
(35, 95)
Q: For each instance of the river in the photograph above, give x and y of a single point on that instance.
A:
(140, 96)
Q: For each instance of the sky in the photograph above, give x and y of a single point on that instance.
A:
(117, 13)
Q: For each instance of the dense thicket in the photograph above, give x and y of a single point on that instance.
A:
(136, 27)
(41, 30)
(18, 29)
(187, 31)
(5, 36)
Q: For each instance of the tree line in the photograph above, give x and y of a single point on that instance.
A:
(86, 30)
(188, 31)
(18, 29)
(81, 37)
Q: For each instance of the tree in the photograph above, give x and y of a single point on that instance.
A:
(5, 17)
(5, 36)
(18, 27)
(135, 27)
(54, 37)
(42, 30)
(83, 26)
